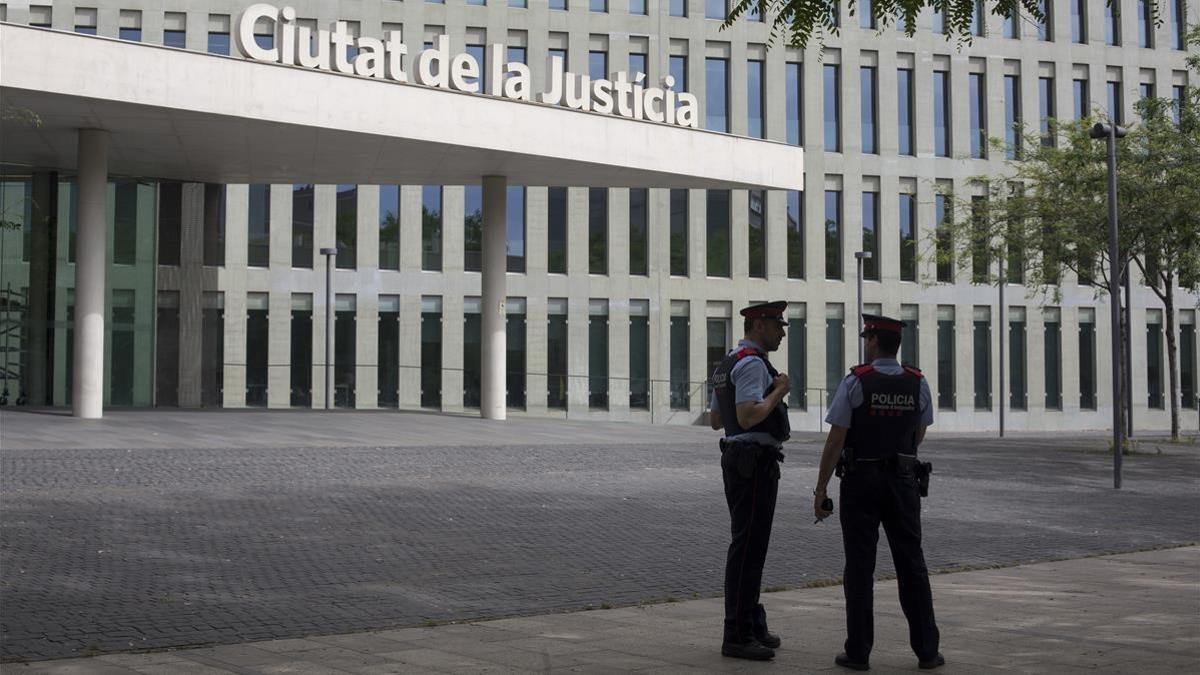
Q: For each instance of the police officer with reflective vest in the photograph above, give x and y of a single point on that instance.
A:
(878, 418)
(748, 403)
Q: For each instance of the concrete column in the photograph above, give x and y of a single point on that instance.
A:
(495, 262)
(90, 267)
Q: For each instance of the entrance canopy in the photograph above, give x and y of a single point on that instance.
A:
(192, 116)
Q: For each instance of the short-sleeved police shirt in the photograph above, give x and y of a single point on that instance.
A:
(751, 381)
(849, 395)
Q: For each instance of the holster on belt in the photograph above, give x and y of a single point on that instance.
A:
(747, 457)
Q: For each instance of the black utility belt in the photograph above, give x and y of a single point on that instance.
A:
(898, 463)
(727, 445)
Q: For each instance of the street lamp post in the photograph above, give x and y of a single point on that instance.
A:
(859, 257)
(329, 254)
(1111, 132)
(1002, 323)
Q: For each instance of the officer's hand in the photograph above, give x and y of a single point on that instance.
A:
(781, 383)
(818, 510)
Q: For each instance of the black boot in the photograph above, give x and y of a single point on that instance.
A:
(845, 662)
(749, 649)
(764, 636)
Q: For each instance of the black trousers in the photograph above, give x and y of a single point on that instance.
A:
(869, 498)
(751, 501)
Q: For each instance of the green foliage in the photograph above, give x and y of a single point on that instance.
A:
(797, 22)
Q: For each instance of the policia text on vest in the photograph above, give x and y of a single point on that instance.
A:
(747, 403)
(878, 418)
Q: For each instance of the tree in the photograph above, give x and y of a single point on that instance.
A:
(1054, 201)
(797, 22)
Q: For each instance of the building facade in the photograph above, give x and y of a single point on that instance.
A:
(620, 300)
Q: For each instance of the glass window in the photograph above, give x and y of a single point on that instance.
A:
(908, 237)
(1045, 26)
(678, 68)
(345, 343)
(473, 228)
(174, 38)
(85, 30)
(1187, 358)
(265, 40)
(598, 5)
(833, 123)
(977, 90)
(598, 353)
(945, 246)
(870, 234)
(552, 54)
(982, 351)
(910, 336)
(757, 218)
(939, 21)
(978, 20)
(301, 364)
(718, 215)
(755, 73)
(166, 352)
(1080, 90)
(218, 42)
(388, 357)
(597, 230)
(556, 353)
(797, 356)
(1177, 94)
(1178, 24)
(431, 352)
(680, 355)
(130, 34)
(259, 236)
(833, 234)
(866, 14)
(869, 109)
(556, 239)
(1087, 358)
(679, 232)
(1154, 358)
(1146, 90)
(347, 226)
(472, 350)
(1012, 115)
(212, 350)
(637, 63)
(214, 224)
(515, 229)
(170, 222)
(794, 103)
(389, 227)
(639, 231)
(517, 4)
(639, 354)
(514, 332)
(558, 4)
(1079, 15)
(835, 347)
(477, 3)
(945, 351)
(715, 9)
(941, 113)
(125, 223)
(1018, 397)
(716, 94)
(637, 7)
(431, 228)
(795, 234)
(981, 255)
(678, 7)
(1052, 328)
(1012, 24)
(1046, 108)
(1112, 22)
(904, 110)
(1115, 108)
(302, 225)
(1145, 25)
(479, 53)
(598, 65)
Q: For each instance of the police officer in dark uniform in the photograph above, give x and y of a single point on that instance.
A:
(748, 403)
(878, 418)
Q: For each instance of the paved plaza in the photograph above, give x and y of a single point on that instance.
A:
(150, 530)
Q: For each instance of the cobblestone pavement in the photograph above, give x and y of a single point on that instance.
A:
(125, 549)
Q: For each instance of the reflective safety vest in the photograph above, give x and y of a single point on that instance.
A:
(887, 420)
(775, 423)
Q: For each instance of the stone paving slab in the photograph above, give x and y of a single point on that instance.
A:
(1136, 612)
(239, 531)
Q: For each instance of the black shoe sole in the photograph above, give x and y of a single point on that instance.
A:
(735, 654)
(930, 665)
(852, 665)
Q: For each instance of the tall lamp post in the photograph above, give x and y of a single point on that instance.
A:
(859, 257)
(1002, 322)
(1111, 132)
(329, 254)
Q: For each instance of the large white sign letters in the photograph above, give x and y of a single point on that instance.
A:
(339, 51)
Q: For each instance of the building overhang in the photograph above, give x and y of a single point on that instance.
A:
(185, 115)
